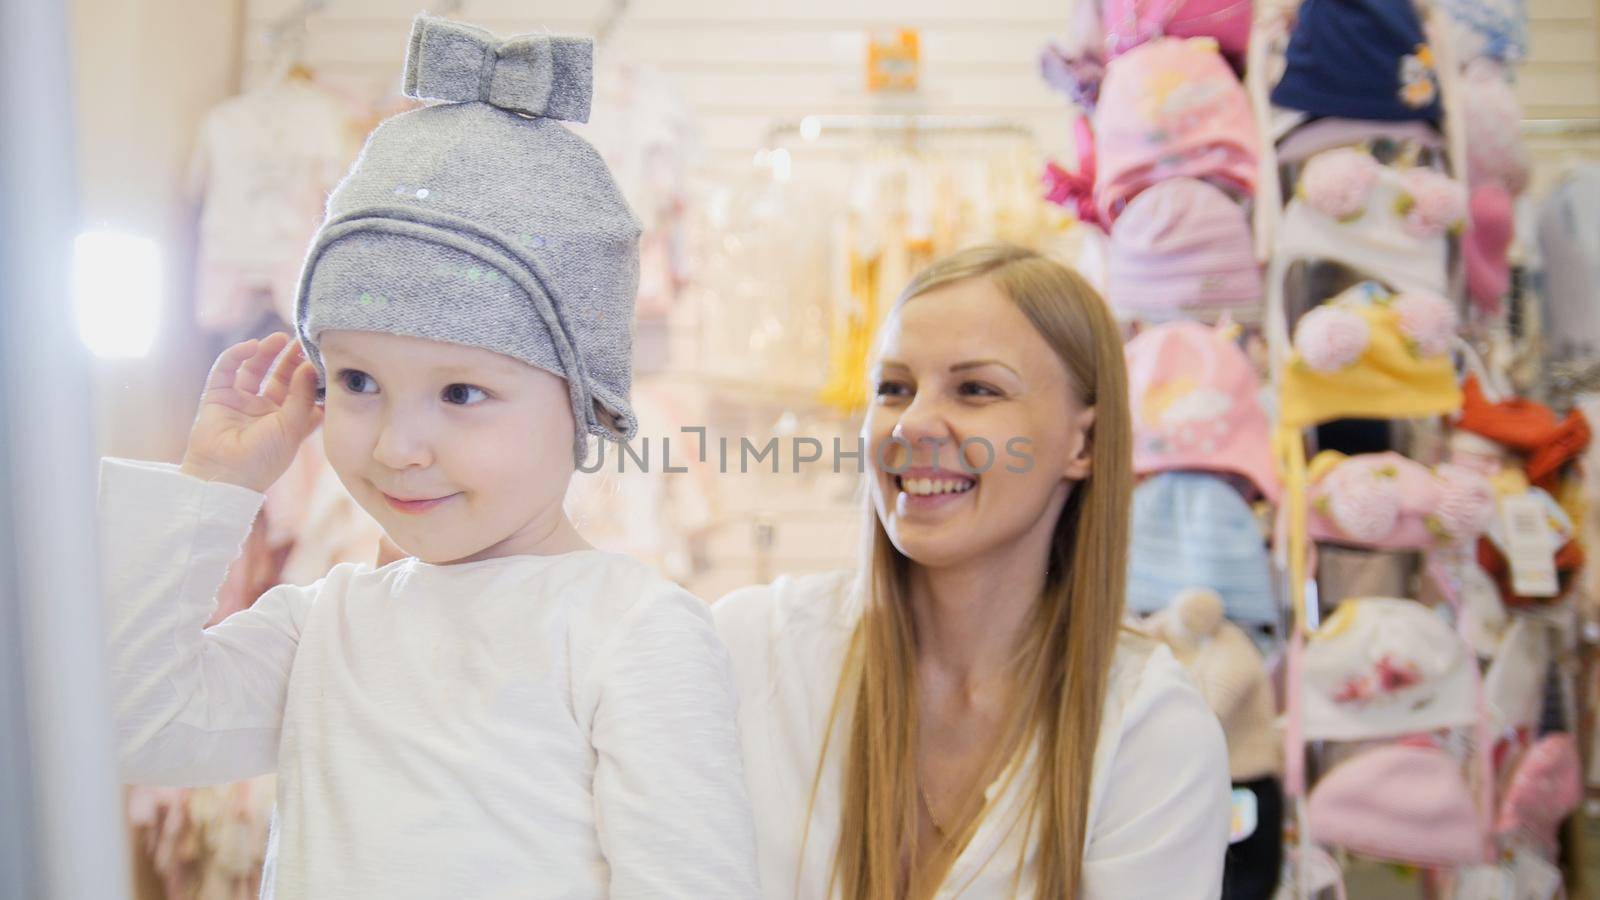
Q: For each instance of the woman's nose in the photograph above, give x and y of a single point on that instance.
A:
(924, 427)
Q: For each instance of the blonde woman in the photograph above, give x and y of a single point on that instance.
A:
(964, 715)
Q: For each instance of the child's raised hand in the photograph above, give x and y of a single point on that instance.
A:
(253, 414)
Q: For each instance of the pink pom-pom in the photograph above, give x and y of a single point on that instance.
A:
(1329, 338)
(1428, 320)
(1363, 504)
(1432, 205)
(1339, 182)
(1495, 150)
(1466, 501)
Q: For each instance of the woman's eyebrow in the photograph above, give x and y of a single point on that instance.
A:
(980, 363)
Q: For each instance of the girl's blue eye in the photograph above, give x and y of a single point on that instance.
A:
(354, 380)
(462, 394)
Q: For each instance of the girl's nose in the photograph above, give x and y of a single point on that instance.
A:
(402, 445)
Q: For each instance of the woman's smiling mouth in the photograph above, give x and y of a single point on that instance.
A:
(928, 489)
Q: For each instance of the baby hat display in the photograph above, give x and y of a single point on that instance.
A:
(1513, 688)
(1569, 556)
(1195, 402)
(1321, 135)
(1487, 244)
(1359, 59)
(1386, 501)
(1384, 667)
(1528, 427)
(1171, 108)
(1496, 153)
(1231, 676)
(1390, 223)
(1492, 29)
(482, 221)
(1369, 354)
(1193, 530)
(1402, 802)
(1545, 788)
(1129, 23)
(1182, 246)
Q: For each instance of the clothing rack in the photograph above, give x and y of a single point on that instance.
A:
(813, 127)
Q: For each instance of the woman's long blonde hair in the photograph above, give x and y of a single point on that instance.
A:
(1066, 653)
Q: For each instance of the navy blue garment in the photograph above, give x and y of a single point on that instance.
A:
(1360, 59)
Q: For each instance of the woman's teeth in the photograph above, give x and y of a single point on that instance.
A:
(924, 487)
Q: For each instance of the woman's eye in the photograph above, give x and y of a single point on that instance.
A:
(355, 381)
(464, 394)
(890, 389)
(978, 389)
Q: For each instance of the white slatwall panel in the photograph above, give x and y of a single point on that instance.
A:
(1561, 80)
(740, 66)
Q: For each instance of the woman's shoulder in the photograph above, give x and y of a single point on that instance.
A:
(1158, 798)
(814, 604)
(795, 627)
(1147, 681)
(1157, 730)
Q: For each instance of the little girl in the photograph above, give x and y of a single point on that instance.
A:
(508, 712)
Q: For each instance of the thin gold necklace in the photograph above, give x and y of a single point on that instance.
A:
(928, 806)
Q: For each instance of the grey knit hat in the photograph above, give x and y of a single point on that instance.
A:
(483, 221)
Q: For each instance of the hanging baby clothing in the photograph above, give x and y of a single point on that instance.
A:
(648, 138)
(263, 167)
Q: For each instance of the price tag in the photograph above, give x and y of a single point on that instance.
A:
(1244, 815)
(1533, 878)
(1530, 546)
(1482, 883)
(894, 59)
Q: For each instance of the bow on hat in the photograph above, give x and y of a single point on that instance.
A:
(537, 75)
(1075, 190)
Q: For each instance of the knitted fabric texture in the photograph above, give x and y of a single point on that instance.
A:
(1231, 676)
(482, 221)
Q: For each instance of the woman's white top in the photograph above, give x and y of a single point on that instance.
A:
(1159, 809)
(526, 726)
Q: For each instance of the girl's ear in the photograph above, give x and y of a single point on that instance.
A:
(1079, 465)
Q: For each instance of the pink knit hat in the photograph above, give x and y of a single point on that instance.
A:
(1171, 108)
(1182, 245)
(1389, 502)
(1195, 406)
(1399, 802)
(1487, 242)
(1129, 23)
(1544, 789)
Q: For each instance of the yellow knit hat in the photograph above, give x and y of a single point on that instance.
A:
(1370, 354)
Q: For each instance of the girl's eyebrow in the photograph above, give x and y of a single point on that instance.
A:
(353, 360)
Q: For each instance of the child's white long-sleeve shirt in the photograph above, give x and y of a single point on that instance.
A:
(526, 726)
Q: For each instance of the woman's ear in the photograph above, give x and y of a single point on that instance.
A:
(1079, 465)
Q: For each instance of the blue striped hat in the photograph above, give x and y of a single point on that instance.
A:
(1194, 530)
